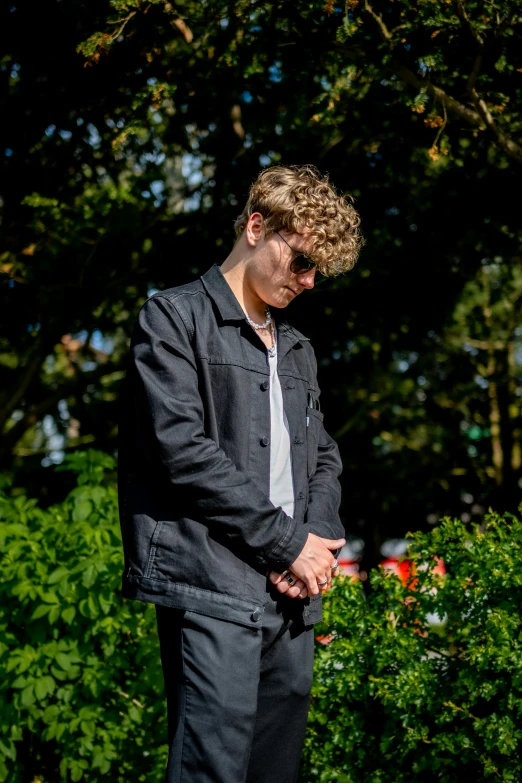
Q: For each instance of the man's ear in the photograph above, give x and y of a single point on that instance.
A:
(255, 228)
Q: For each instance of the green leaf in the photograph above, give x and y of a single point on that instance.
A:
(69, 614)
(28, 697)
(82, 511)
(41, 688)
(50, 598)
(54, 614)
(40, 611)
(50, 714)
(57, 575)
(64, 661)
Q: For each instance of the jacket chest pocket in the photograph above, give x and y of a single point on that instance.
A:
(314, 426)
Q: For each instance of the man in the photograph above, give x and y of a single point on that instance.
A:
(229, 485)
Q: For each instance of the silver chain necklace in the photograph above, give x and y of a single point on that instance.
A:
(269, 323)
(261, 326)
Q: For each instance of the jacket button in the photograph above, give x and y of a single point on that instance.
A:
(256, 614)
(265, 385)
(265, 441)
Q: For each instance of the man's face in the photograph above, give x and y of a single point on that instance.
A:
(269, 274)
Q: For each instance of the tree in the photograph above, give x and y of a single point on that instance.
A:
(415, 110)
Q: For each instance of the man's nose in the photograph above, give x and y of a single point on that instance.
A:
(307, 279)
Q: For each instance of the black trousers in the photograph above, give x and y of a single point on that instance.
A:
(237, 698)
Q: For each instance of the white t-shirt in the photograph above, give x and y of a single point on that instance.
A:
(281, 482)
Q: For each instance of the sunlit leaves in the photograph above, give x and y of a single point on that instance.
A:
(421, 681)
(70, 647)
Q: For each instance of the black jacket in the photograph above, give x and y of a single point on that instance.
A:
(199, 530)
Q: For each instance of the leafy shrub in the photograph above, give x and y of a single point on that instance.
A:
(81, 692)
(420, 682)
(423, 682)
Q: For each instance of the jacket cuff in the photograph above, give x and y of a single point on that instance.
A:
(289, 547)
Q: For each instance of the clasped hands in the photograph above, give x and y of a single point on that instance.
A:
(312, 571)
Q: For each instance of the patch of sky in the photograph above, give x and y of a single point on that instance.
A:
(392, 211)
(48, 426)
(15, 70)
(404, 362)
(152, 157)
(191, 168)
(94, 137)
(64, 410)
(81, 336)
(145, 194)
(470, 349)
(33, 327)
(325, 84)
(266, 159)
(421, 380)
(246, 97)
(275, 73)
(248, 141)
(482, 382)
(53, 458)
(223, 23)
(192, 203)
(80, 121)
(8, 152)
(151, 81)
(336, 354)
(151, 291)
(89, 366)
(49, 131)
(212, 127)
(101, 343)
(65, 134)
(157, 188)
(279, 130)
(156, 117)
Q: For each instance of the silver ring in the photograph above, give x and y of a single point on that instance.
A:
(335, 565)
(322, 584)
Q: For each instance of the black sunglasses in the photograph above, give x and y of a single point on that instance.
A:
(301, 263)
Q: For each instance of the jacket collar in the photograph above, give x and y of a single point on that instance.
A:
(230, 310)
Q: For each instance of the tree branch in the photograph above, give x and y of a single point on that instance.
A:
(466, 21)
(35, 412)
(386, 35)
(472, 78)
(481, 118)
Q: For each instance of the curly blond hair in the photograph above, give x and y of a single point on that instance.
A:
(299, 199)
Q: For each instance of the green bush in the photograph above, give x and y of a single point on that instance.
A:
(420, 682)
(81, 693)
(423, 682)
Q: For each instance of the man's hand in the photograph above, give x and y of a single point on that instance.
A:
(295, 590)
(313, 566)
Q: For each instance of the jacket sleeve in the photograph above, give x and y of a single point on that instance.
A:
(172, 416)
(324, 489)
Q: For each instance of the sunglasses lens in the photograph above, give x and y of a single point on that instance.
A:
(301, 264)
